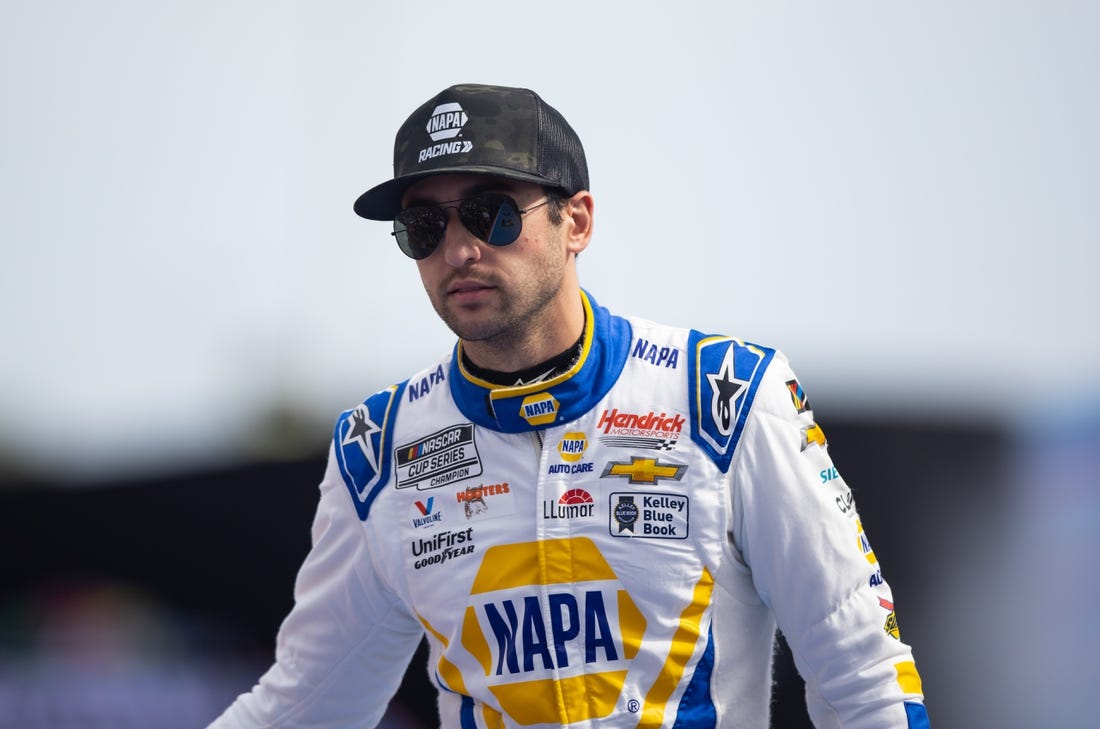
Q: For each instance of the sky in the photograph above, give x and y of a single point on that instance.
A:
(903, 197)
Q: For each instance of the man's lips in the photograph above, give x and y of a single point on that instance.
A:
(467, 287)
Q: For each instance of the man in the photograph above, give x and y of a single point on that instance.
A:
(594, 520)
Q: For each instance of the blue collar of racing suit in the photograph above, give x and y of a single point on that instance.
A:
(560, 399)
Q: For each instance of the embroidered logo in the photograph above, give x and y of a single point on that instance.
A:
(440, 458)
(446, 122)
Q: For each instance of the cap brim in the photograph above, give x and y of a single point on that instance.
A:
(383, 202)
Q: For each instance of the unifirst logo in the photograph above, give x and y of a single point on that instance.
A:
(446, 122)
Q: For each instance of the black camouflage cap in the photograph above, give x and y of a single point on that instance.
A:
(472, 128)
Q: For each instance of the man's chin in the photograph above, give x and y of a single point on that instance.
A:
(471, 328)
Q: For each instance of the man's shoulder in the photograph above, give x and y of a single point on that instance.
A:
(417, 385)
(364, 434)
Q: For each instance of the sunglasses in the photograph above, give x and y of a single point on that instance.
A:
(490, 216)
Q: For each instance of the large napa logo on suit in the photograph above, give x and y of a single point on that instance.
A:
(525, 626)
(551, 632)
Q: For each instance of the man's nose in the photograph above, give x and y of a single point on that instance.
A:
(460, 246)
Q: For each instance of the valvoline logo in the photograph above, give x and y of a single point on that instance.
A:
(425, 513)
(540, 639)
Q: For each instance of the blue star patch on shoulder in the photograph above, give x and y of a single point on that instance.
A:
(724, 375)
(362, 446)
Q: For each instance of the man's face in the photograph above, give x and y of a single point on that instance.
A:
(484, 293)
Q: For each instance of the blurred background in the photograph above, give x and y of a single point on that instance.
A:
(902, 196)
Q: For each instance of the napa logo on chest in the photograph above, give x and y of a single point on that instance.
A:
(660, 356)
(419, 388)
(572, 446)
(539, 409)
(539, 634)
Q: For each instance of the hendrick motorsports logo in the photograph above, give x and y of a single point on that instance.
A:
(650, 515)
(446, 122)
(632, 430)
(440, 458)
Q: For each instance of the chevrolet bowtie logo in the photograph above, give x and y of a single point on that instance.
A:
(644, 470)
(812, 434)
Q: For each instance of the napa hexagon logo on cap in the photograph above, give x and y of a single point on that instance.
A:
(539, 409)
(446, 121)
(444, 125)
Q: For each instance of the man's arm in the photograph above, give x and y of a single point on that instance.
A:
(798, 530)
(341, 652)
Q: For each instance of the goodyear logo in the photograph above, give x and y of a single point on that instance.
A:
(572, 446)
(539, 409)
(552, 654)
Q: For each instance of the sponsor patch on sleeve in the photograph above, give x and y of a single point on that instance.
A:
(361, 438)
(725, 374)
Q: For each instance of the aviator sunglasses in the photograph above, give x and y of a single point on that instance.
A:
(490, 216)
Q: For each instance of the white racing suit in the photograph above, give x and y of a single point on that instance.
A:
(614, 547)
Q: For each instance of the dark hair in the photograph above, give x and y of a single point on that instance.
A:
(556, 200)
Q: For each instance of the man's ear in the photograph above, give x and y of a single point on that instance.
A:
(577, 218)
